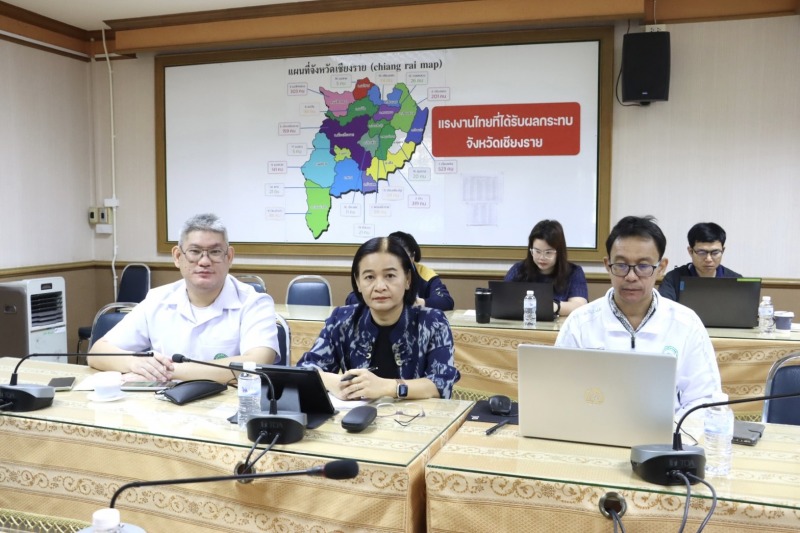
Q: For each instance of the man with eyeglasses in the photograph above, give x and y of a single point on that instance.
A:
(208, 315)
(633, 316)
(706, 246)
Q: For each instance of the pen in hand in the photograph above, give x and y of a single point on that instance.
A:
(349, 377)
(496, 427)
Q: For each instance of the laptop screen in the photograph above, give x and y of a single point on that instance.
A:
(722, 302)
(507, 299)
(596, 396)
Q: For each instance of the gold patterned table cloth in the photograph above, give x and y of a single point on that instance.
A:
(509, 483)
(67, 460)
(486, 355)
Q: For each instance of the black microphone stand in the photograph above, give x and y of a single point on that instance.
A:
(287, 427)
(658, 463)
(25, 398)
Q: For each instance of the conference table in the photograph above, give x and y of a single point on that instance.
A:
(68, 459)
(486, 354)
(509, 483)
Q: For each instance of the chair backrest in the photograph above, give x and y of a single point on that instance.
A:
(284, 341)
(134, 283)
(783, 378)
(309, 290)
(107, 317)
(255, 281)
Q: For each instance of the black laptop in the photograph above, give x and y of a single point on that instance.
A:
(722, 302)
(507, 299)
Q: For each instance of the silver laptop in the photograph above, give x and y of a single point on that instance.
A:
(596, 396)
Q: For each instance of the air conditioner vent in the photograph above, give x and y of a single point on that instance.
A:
(47, 309)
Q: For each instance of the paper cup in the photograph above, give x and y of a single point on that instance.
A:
(107, 385)
(783, 320)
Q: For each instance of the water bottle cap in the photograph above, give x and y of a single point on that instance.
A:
(530, 293)
(718, 397)
(105, 518)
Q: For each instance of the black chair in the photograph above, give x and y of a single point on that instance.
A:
(309, 290)
(783, 378)
(107, 317)
(134, 282)
(284, 341)
(255, 281)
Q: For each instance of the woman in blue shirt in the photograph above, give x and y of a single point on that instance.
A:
(546, 261)
(384, 346)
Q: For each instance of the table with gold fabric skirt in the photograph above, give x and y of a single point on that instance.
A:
(68, 459)
(508, 483)
(486, 354)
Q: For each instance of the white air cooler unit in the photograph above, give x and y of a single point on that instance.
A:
(33, 318)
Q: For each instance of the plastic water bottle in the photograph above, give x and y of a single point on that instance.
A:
(766, 316)
(249, 397)
(718, 434)
(529, 310)
(108, 521)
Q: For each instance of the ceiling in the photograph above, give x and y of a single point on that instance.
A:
(90, 14)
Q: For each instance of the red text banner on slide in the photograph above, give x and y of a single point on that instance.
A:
(507, 130)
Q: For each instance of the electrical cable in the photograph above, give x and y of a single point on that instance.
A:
(713, 501)
(619, 76)
(248, 465)
(685, 479)
(113, 164)
(617, 520)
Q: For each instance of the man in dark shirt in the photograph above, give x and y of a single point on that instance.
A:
(706, 246)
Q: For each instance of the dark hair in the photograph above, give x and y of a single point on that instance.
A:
(391, 245)
(552, 233)
(631, 226)
(409, 243)
(706, 232)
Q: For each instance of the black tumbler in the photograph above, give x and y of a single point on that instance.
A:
(483, 305)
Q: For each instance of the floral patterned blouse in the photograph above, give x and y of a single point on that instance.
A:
(421, 340)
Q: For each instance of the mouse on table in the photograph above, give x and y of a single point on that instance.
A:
(500, 405)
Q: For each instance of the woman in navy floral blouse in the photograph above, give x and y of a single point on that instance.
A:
(384, 346)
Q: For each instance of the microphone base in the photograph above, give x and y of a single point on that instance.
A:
(26, 398)
(290, 427)
(655, 463)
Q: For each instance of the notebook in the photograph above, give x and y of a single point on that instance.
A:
(507, 299)
(722, 302)
(596, 396)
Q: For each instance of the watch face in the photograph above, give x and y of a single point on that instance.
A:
(402, 390)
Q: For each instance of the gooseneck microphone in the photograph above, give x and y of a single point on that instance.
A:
(340, 469)
(658, 463)
(288, 427)
(25, 398)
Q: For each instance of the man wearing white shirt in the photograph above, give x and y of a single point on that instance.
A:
(208, 315)
(633, 316)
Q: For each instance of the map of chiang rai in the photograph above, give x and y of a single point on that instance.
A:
(352, 151)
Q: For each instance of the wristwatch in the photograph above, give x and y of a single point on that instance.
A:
(402, 389)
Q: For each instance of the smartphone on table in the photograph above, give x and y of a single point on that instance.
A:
(62, 384)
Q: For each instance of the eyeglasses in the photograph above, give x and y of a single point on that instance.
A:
(547, 254)
(411, 411)
(193, 255)
(702, 254)
(641, 270)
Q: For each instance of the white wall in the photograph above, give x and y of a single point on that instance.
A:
(45, 158)
(724, 148)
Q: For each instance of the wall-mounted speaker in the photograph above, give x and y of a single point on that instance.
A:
(645, 67)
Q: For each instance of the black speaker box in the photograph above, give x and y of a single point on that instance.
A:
(645, 67)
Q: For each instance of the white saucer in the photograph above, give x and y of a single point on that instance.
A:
(93, 397)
